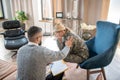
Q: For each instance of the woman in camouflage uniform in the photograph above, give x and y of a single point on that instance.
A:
(78, 52)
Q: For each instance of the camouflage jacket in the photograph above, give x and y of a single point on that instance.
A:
(78, 52)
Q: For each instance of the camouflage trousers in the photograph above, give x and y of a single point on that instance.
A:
(74, 58)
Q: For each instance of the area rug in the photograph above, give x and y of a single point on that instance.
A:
(73, 73)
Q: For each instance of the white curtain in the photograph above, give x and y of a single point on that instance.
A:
(26, 6)
(73, 11)
(73, 8)
(47, 9)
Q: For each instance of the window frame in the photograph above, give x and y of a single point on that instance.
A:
(2, 9)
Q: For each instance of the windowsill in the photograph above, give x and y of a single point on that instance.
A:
(3, 19)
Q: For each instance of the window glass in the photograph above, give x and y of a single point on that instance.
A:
(1, 10)
(114, 11)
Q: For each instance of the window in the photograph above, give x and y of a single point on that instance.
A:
(47, 9)
(1, 10)
(114, 12)
(50, 9)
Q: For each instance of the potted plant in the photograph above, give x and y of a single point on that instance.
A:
(20, 15)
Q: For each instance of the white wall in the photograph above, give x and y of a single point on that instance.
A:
(114, 11)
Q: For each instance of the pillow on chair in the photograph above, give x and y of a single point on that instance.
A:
(13, 33)
(11, 24)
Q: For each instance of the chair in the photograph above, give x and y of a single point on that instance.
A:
(14, 36)
(101, 48)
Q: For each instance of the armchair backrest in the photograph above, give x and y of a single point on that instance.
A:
(106, 36)
(11, 24)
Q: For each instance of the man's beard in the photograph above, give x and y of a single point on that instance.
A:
(40, 43)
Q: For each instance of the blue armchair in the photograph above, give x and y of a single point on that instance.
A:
(102, 47)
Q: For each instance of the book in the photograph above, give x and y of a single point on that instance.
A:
(58, 67)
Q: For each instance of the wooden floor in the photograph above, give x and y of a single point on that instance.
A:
(112, 71)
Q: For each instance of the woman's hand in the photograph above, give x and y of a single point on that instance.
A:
(69, 41)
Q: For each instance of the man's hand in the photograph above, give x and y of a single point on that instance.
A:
(69, 41)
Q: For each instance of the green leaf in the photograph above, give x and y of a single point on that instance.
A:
(20, 15)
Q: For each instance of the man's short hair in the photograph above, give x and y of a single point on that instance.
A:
(33, 30)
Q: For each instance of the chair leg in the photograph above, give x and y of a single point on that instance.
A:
(14, 55)
(103, 72)
(88, 74)
(96, 71)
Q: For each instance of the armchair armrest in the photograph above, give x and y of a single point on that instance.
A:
(25, 31)
(90, 43)
(2, 34)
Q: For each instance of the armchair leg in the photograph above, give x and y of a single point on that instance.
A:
(96, 71)
(88, 74)
(103, 72)
(15, 53)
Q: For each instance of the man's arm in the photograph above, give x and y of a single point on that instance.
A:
(57, 55)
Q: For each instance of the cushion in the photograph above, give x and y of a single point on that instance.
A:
(13, 33)
(11, 24)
